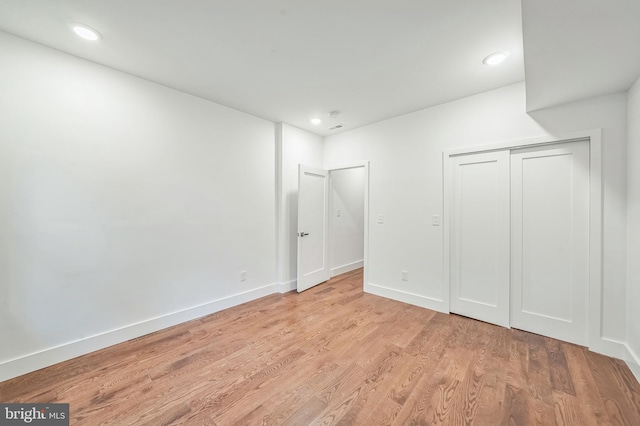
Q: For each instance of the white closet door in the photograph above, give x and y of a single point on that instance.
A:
(479, 256)
(550, 240)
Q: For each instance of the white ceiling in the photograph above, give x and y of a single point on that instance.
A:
(576, 49)
(292, 60)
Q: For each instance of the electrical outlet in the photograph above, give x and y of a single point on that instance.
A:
(339, 212)
(435, 220)
(404, 275)
(243, 275)
(380, 219)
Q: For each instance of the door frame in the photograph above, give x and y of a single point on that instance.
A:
(354, 165)
(596, 341)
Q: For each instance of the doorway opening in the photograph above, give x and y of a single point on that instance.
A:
(334, 203)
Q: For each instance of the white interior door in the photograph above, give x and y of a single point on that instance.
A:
(313, 227)
(479, 249)
(550, 240)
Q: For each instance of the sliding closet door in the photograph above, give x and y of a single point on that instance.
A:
(550, 240)
(479, 244)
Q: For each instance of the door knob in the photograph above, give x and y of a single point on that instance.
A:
(303, 234)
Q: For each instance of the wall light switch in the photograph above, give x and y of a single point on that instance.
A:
(243, 275)
(404, 275)
(381, 219)
(435, 220)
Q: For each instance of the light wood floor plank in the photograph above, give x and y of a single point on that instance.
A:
(334, 355)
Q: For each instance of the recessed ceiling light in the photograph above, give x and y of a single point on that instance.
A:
(316, 121)
(86, 32)
(495, 58)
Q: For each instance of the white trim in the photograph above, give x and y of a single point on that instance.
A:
(597, 342)
(610, 347)
(446, 231)
(288, 286)
(346, 268)
(521, 143)
(37, 360)
(281, 224)
(594, 321)
(352, 165)
(365, 278)
(406, 297)
(633, 361)
(620, 350)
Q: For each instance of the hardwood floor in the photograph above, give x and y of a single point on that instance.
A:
(336, 356)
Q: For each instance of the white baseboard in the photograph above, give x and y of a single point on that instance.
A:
(35, 361)
(339, 270)
(406, 297)
(288, 286)
(609, 347)
(633, 361)
(617, 349)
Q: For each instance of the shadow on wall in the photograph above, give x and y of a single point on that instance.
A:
(608, 113)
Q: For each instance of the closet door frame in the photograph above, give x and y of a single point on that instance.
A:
(596, 342)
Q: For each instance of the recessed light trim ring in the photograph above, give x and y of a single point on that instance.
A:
(86, 32)
(496, 58)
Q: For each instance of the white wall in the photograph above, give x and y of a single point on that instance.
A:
(294, 146)
(123, 205)
(346, 249)
(633, 233)
(126, 206)
(406, 185)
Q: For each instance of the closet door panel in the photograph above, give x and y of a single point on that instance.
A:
(550, 240)
(479, 267)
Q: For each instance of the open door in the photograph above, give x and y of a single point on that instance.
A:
(313, 227)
